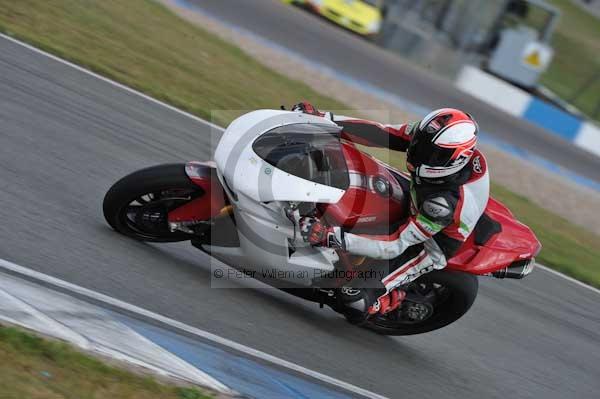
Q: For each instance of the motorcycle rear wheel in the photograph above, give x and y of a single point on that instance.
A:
(138, 204)
(451, 294)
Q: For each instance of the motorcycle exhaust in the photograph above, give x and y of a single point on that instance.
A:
(516, 270)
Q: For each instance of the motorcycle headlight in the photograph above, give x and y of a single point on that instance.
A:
(381, 186)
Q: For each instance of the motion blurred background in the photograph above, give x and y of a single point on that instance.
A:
(528, 70)
(546, 47)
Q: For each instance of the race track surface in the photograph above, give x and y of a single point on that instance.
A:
(325, 43)
(65, 137)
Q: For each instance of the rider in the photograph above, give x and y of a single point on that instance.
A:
(449, 193)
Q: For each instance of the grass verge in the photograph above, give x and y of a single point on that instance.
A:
(141, 44)
(576, 43)
(35, 368)
(566, 247)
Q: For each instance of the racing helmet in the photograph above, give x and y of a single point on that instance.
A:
(441, 145)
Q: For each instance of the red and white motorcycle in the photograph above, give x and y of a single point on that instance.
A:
(273, 167)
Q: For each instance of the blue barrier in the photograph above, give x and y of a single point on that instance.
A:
(553, 119)
(520, 103)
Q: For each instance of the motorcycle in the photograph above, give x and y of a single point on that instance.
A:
(271, 168)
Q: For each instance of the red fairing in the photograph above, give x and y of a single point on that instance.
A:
(363, 207)
(515, 242)
(366, 204)
(203, 174)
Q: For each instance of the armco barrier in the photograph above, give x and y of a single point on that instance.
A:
(517, 102)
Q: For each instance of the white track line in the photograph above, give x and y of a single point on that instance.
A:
(132, 309)
(111, 82)
(571, 279)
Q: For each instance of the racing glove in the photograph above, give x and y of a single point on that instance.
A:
(317, 233)
(308, 108)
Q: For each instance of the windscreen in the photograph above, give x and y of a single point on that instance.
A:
(309, 151)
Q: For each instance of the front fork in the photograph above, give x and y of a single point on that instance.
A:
(211, 203)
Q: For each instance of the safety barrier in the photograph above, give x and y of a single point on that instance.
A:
(517, 102)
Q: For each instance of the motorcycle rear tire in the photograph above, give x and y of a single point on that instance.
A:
(463, 291)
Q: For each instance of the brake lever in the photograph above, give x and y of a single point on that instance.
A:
(293, 214)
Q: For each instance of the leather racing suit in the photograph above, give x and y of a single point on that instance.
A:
(442, 214)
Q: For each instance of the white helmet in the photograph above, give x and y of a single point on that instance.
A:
(442, 144)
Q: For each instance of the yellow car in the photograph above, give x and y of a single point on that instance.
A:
(361, 16)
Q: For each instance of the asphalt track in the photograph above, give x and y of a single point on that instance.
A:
(322, 42)
(66, 136)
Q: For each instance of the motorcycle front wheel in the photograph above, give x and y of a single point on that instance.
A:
(433, 301)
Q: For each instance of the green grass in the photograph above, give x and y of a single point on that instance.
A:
(566, 247)
(35, 368)
(576, 42)
(140, 43)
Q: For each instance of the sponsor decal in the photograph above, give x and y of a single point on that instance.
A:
(432, 209)
(412, 274)
(477, 164)
(414, 236)
(427, 225)
(436, 207)
(350, 291)
(435, 171)
(366, 219)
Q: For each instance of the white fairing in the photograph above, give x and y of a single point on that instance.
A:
(248, 174)
(260, 192)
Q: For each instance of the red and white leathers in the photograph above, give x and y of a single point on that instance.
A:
(443, 214)
(449, 193)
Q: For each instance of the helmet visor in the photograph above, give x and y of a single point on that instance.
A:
(421, 151)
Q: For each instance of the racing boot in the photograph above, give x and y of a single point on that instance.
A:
(360, 304)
